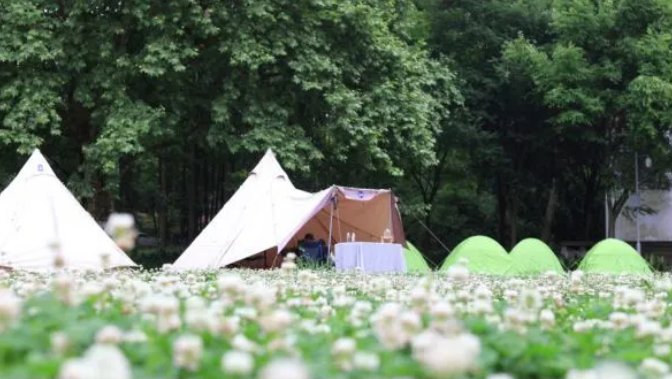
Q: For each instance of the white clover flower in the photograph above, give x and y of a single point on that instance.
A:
(135, 336)
(277, 321)
(344, 347)
(620, 320)
(614, 370)
(59, 342)
(226, 326)
(458, 273)
(99, 362)
(237, 363)
(442, 310)
(109, 362)
(547, 318)
(109, 334)
(91, 289)
(410, 322)
(10, 308)
(500, 376)
(121, 227)
(187, 352)
(365, 361)
(242, 343)
(482, 307)
(648, 328)
(654, 367)
(260, 297)
(64, 288)
(231, 285)
(483, 293)
(450, 356)
(530, 300)
(77, 368)
(380, 284)
(661, 350)
(285, 369)
(664, 285)
(423, 342)
(198, 319)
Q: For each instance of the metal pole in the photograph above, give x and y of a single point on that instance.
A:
(639, 201)
(331, 224)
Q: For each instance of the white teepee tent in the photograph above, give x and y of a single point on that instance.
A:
(265, 213)
(40, 218)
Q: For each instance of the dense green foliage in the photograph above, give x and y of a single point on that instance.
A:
(510, 118)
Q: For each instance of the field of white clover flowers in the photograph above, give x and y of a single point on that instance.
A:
(297, 324)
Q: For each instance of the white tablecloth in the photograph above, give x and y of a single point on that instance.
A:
(371, 257)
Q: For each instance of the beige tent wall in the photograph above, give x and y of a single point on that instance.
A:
(368, 219)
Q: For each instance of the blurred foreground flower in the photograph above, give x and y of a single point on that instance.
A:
(99, 362)
(285, 369)
(10, 308)
(187, 352)
(121, 227)
(237, 363)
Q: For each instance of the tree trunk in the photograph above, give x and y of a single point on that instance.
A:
(550, 212)
(191, 195)
(163, 209)
(501, 208)
(101, 203)
(588, 201)
(615, 208)
(202, 176)
(513, 219)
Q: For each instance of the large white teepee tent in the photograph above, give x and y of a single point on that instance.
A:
(40, 218)
(268, 213)
(263, 214)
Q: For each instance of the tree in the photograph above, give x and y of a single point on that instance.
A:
(186, 93)
(608, 95)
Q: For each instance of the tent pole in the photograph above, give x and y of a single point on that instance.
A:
(338, 218)
(331, 224)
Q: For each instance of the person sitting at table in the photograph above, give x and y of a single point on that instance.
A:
(312, 251)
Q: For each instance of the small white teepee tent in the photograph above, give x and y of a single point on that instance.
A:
(264, 213)
(40, 218)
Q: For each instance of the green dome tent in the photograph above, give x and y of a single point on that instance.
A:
(414, 259)
(613, 256)
(484, 255)
(532, 256)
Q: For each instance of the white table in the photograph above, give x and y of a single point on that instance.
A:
(370, 257)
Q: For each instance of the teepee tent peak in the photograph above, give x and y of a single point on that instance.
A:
(269, 167)
(483, 254)
(36, 165)
(613, 256)
(40, 219)
(532, 256)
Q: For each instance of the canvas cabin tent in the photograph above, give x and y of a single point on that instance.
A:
(40, 218)
(267, 213)
(366, 213)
